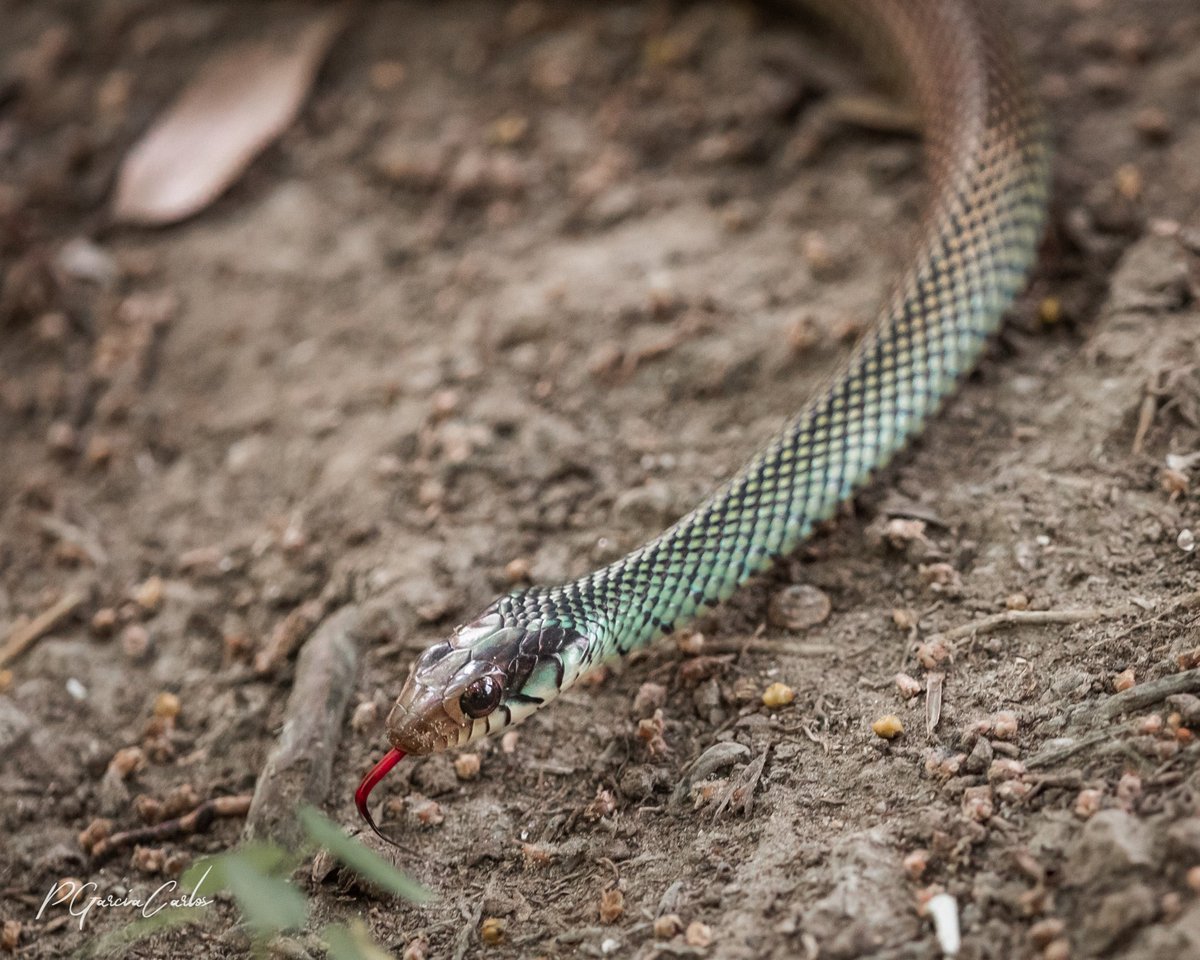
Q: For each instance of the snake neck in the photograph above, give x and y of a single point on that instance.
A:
(988, 164)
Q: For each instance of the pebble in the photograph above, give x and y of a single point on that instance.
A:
(1004, 725)
(888, 727)
(778, 695)
(667, 926)
(798, 607)
(698, 934)
(467, 766)
(1124, 680)
(491, 930)
(977, 803)
(1087, 803)
(908, 686)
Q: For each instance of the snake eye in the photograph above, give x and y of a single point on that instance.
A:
(480, 698)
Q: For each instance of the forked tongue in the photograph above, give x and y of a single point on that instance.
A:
(363, 793)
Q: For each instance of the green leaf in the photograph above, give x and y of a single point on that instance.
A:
(269, 904)
(209, 873)
(142, 928)
(358, 858)
(353, 943)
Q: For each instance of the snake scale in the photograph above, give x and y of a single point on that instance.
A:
(987, 161)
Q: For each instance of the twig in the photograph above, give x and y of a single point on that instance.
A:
(22, 638)
(991, 624)
(299, 767)
(197, 821)
(1147, 693)
(1143, 695)
(1047, 758)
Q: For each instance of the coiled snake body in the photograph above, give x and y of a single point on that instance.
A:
(988, 165)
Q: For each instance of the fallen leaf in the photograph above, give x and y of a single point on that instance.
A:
(237, 104)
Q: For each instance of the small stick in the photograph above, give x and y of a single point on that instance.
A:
(1143, 695)
(22, 638)
(197, 821)
(1147, 693)
(1007, 618)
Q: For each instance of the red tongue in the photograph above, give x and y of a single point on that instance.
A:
(374, 775)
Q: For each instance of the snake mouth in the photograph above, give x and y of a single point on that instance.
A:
(423, 728)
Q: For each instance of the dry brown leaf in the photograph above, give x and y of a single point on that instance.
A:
(237, 104)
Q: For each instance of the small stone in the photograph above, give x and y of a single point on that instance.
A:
(612, 905)
(104, 621)
(798, 607)
(99, 829)
(167, 705)
(10, 936)
(491, 930)
(980, 757)
(417, 949)
(1193, 878)
(1005, 768)
(1150, 725)
(508, 742)
(931, 654)
(904, 618)
(1016, 601)
(517, 570)
(1128, 181)
(1123, 680)
(61, 438)
(1153, 124)
(1087, 803)
(778, 695)
(690, 643)
(1004, 725)
(888, 727)
(908, 686)
(149, 594)
(698, 934)
(127, 761)
(467, 766)
(428, 812)
(1186, 541)
(1046, 931)
(135, 641)
(915, 864)
(667, 926)
(1057, 950)
(365, 717)
(977, 803)
(534, 855)
(99, 451)
(650, 697)
(1129, 788)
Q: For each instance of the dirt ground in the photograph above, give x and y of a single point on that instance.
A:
(524, 282)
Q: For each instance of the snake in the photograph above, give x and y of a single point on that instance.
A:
(987, 161)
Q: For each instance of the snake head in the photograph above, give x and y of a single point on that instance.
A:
(489, 674)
